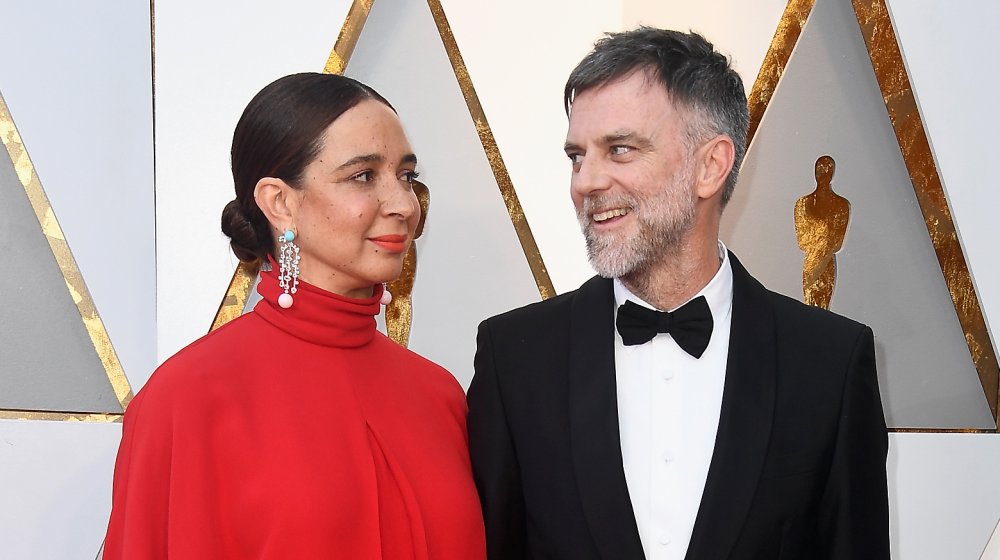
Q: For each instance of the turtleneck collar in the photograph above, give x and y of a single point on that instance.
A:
(319, 316)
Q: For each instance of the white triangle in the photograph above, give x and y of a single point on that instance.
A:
(470, 261)
(828, 102)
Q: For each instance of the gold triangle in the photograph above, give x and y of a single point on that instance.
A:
(242, 282)
(893, 81)
(75, 285)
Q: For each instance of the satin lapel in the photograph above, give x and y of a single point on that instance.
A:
(744, 424)
(594, 437)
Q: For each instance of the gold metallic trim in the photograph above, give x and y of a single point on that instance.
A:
(93, 417)
(507, 191)
(238, 292)
(893, 81)
(941, 431)
(785, 37)
(67, 264)
(348, 38)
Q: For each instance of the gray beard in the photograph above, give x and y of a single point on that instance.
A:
(663, 220)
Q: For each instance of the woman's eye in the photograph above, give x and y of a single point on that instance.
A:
(363, 177)
(410, 176)
(620, 150)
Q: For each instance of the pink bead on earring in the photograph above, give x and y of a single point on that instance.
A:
(386, 296)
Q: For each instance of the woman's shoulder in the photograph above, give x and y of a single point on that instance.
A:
(420, 372)
(209, 361)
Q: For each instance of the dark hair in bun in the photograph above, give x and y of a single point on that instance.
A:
(279, 134)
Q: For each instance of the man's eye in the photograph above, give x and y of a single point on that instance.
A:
(620, 150)
(575, 158)
(363, 177)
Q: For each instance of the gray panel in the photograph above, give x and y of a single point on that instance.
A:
(828, 102)
(76, 78)
(47, 360)
(470, 262)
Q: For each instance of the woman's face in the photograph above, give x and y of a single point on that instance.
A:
(355, 211)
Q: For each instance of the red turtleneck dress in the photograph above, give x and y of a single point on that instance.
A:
(296, 433)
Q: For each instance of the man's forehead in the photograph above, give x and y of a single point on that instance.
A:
(619, 116)
(639, 81)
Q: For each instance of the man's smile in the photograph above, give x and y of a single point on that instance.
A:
(609, 214)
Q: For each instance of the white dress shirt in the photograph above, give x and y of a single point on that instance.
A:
(668, 414)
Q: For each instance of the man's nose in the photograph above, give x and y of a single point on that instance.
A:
(590, 177)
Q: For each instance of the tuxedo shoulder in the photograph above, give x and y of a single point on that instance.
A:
(542, 315)
(532, 312)
(795, 316)
(791, 313)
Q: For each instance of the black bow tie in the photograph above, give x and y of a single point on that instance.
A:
(690, 325)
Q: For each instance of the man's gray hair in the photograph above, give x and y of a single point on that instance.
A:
(696, 77)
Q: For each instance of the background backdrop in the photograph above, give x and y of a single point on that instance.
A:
(80, 86)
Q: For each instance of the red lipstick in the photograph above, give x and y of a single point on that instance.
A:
(391, 243)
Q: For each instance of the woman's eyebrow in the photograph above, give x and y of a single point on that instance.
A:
(367, 158)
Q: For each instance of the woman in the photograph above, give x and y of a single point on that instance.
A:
(298, 430)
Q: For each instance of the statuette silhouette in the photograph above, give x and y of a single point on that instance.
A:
(821, 219)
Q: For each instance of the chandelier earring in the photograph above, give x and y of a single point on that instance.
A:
(288, 271)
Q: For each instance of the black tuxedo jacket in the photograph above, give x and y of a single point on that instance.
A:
(798, 470)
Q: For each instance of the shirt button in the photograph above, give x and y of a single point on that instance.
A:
(668, 375)
(667, 459)
(664, 540)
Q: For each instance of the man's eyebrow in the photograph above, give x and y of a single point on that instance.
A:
(367, 158)
(625, 136)
(616, 137)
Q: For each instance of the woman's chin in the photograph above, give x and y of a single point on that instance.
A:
(392, 275)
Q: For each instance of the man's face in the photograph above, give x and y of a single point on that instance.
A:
(633, 172)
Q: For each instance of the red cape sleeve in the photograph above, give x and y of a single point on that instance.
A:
(141, 491)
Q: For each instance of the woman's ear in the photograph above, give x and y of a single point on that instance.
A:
(278, 201)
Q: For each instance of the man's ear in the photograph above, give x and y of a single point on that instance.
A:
(715, 161)
(278, 201)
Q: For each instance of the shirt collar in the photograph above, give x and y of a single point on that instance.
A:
(718, 292)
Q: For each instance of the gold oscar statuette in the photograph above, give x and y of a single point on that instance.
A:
(821, 219)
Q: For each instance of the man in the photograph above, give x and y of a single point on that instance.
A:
(743, 425)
